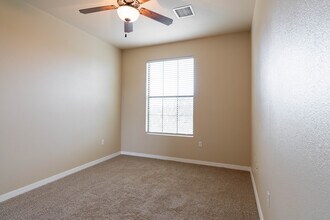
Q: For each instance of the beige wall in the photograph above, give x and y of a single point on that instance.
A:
(222, 101)
(59, 96)
(291, 108)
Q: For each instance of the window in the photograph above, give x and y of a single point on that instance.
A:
(170, 97)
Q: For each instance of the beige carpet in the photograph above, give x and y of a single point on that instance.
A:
(139, 188)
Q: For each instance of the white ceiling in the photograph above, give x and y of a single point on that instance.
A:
(212, 17)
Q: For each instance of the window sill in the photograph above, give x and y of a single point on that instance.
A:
(171, 135)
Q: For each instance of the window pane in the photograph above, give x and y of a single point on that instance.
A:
(155, 81)
(171, 78)
(185, 125)
(170, 115)
(170, 106)
(170, 124)
(155, 123)
(156, 106)
(186, 106)
(186, 77)
(185, 115)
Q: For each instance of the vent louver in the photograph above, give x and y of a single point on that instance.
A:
(184, 11)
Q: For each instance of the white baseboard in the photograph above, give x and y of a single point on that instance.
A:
(199, 162)
(261, 216)
(35, 185)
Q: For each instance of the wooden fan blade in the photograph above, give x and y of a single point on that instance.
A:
(157, 17)
(143, 1)
(97, 9)
(128, 28)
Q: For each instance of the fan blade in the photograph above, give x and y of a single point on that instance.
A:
(143, 1)
(128, 28)
(97, 9)
(157, 17)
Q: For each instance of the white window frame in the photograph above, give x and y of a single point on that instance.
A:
(148, 97)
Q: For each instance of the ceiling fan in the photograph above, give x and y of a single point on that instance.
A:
(129, 11)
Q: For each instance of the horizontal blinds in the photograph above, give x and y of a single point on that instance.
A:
(170, 96)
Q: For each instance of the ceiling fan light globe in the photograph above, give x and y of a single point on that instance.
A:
(128, 13)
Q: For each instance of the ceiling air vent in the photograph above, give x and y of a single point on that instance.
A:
(184, 11)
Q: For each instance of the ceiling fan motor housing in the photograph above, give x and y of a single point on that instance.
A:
(133, 3)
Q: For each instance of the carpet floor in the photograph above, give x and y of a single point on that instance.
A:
(139, 188)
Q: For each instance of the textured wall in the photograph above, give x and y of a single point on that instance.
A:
(59, 96)
(222, 102)
(291, 107)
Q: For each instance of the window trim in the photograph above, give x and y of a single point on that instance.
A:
(147, 97)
